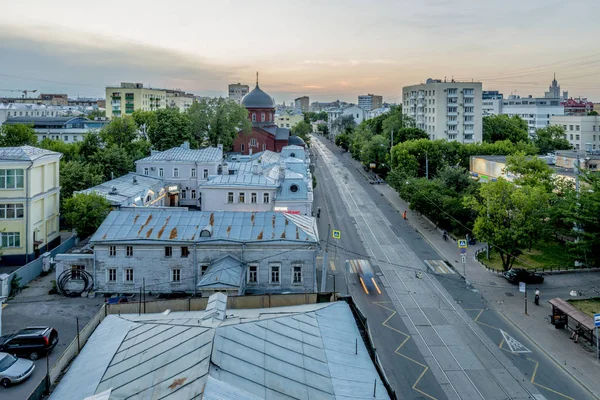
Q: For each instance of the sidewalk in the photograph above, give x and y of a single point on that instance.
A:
(575, 360)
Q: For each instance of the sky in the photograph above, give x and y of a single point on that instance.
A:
(325, 49)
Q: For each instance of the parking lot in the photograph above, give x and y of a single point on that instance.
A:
(35, 307)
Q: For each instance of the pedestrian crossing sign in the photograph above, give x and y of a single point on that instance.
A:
(336, 234)
(462, 243)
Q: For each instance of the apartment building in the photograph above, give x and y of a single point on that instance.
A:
(66, 129)
(582, 131)
(370, 101)
(537, 111)
(356, 112)
(301, 104)
(288, 120)
(449, 110)
(491, 102)
(125, 99)
(237, 91)
(12, 110)
(29, 203)
(179, 99)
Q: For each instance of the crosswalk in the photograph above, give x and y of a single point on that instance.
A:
(439, 267)
(332, 266)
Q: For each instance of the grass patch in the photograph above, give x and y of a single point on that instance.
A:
(588, 306)
(547, 255)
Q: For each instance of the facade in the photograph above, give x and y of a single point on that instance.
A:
(491, 102)
(46, 99)
(66, 129)
(125, 99)
(449, 110)
(132, 190)
(182, 170)
(577, 106)
(588, 160)
(356, 112)
(29, 203)
(288, 120)
(370, 101)
(582, 131)
(179, 99)
(536, 111)
(237, 91)
(301, 104)
(377, 112)
(173, 249)
(12, 110)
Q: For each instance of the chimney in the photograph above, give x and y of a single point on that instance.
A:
(135, 180)
(281, 173)
(185, 145)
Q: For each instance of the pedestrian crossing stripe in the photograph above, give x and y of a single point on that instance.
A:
(439, 267)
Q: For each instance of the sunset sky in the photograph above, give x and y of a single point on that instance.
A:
(324, 49)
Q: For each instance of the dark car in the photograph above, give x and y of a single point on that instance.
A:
(31, 342)
(516, 275)
(117, 300)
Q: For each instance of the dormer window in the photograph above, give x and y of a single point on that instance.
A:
(294, 188)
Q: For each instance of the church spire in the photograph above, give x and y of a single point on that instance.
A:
(256, 78)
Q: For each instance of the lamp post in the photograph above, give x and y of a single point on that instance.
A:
(2, 300)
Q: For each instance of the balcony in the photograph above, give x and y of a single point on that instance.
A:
(453, 122)
(129, 97)
(452, 113)
(452, 95)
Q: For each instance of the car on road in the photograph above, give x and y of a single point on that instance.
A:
(14, 370)
(516, 275)
(31, 342)
(117, 300)
(366, 277)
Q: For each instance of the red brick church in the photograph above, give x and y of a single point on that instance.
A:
(265, 135)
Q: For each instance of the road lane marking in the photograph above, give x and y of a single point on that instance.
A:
(376, 287)
(514, 345)
(439, 267)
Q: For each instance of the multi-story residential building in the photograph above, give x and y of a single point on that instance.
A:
(237, 91)
(301, 104)
(370, 101)
(11, 110)
(446, 109)
(43, 99)
(29, 203)
(356, 112)
(288, 120)
(66, 129)
(536, 111)
(582, 131)
(377, 112)
(491, 102)
(179, 99)
(125, 99)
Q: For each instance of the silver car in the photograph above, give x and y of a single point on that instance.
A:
(14, 370)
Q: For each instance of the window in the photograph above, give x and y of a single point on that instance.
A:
(230, 197)
(594, 138)
(571, 136)
(576, 127)
(262, 117)
(264, 147)
(253, 274)
(297, 274)
(193, 172)
(129, 251)
(274, 275)
(193, 194)
(266, 198)
(66, 138)
(185, 252)
(11, 211)
(176, 275)
(294, 188)
(576, 137)
(112, 274)
(76, 271)
(11, 239)
(175, 172)
(129, 275)
(253, 198)
(168, 251)
(242, 147)
(112, 251)
(242, 197)
(253, 142)
(11, 179)
(161, 172)
(203, 269)
(205, 174)
(145, 170)
(570, 127)
(183, 194)
(253, 117)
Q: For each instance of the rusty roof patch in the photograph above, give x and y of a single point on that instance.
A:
(283, 235)
(104, 237)
(177, 382)
(145, 223)
(173, 234)
(163, 227)
(212, 219)
(273, 222)
(252, 219)
(136, 218)
(260, 235)
(149, 233)
(228, 230)
(297, 233)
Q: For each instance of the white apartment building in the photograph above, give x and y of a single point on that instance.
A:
(237, 91)
(446, 109)
(12, 110)
(179, 99)
(370, 101)
(582, 131)
(537, 111)
(358, 113)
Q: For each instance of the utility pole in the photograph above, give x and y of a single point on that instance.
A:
(487, 247)
(426, 166)
(577, 191)
(324, 271)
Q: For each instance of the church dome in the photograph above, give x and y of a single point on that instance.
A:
(257, 98)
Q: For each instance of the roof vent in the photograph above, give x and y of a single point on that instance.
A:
(185, 145)
(207, 231)
(135, 180)
(113, 190)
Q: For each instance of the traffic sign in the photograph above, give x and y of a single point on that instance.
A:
(463, 251)
(522, 287)
(463, 258)
(597, 320)
(336, 234)
(462, 243)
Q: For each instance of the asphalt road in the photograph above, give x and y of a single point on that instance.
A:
(552, 381)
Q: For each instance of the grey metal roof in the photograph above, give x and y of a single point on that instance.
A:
(301, 352)
(125, 187)
(208, 154)
(222, 274)
(296, 141)
(245, 180)
(49, 121)
(258, 98)
(24, 153)
(179, 225)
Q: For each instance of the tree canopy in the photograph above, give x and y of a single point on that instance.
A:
(502, 127)
(17, 135)
(551, 138)
(302, 129)
(85, 212)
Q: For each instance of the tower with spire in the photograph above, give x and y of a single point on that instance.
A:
(554, 91)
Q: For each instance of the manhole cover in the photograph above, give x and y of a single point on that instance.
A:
(492, 283)
(510, 294)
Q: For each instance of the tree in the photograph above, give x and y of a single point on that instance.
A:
(85, 212)
(394, 121)
(593, 112)
(322, 129)
(171, 129)
(70, 151)
(509, 217)
(344, 124)
(343, 141)
(144, 120)
(406, 134)
(302, 129)
(503, 127)
(218, 121)
(551, 138)
(314, 116)
(530, 171)
(17, 135)
(375, 151)
(120, 132)
(90, 146)
(113, 161)
(96, 114)
(77, 175)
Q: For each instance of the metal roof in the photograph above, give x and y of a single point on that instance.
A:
(304, 352)
(208, 154)
(25, 153)
(48, 121)
(125, 187)
(245, 180)
(257, 98)
(179, 225)
(223, 273)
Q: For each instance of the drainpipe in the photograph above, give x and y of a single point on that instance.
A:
(27, 212)
(94, 282)
(195, 269)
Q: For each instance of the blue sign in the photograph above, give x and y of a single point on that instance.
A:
(463, 251)
(597, 320)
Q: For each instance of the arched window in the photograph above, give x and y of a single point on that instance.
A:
(293, 155)
(253, 117)
(262, 117)
(294, 188)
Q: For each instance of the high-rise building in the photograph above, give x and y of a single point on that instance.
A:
(370, 101)
(446, 109)
(125, 99)
(554, 91)
(301, 104)
(237, 91)
(491, 102)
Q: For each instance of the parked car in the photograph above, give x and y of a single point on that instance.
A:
(14, 370)
(117, 300)
(516, 275)
(31, 342)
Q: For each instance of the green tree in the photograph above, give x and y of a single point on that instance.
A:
(551, 138)
(113, 161)
(375, 151)
(17, 135)
(343, 141)
(406, 134)
(302, 129)
(344, 124)
(85, 212)
(120, 132)
(509, 217)
(593, 112)
(323, 129)
(395, 121)
(503, 127)
(315, 116)
(171, 129)
(90, 146)
(77, 175)
(530, 171)
(96, 114)
(145, 120)
(70, 151)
